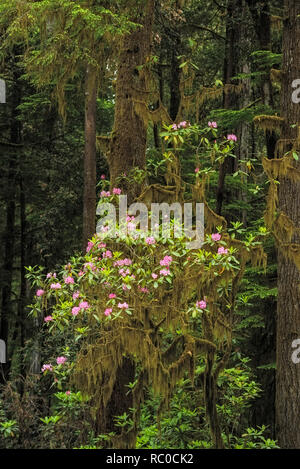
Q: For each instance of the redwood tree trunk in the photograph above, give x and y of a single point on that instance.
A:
(288, 312)
(128, 151)
(9, 234)
(129, 136)
(89, 196)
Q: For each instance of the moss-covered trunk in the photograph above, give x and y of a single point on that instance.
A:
(288, 312)
(89, 195)
(128, 151)
(129, 136)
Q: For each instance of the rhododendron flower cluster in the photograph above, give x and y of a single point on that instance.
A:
(69, 280)
(40, 292)
(123, 305)
(89, 246)
(121, 262)
(116, 191)
(76, 295)
(216, 236)
(181, 125)
(164, 272)
(222, 250)
(75, 310)
(55, 286)
(212, 125)
(201, 304)
(232, 137)
(47, 367)
(51, 275)
(150, 240)
(166, 261)
(61, 360)
(48, 318)
(107, 254)
(104, 194)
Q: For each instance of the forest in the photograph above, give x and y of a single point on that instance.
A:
(150, 224)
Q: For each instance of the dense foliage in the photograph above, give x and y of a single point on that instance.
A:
(132, 339)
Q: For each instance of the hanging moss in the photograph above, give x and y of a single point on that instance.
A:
(275, 75)
(269, 123)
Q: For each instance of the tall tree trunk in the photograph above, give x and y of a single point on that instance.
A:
(261, 16)
(89, 196)
(129, 136)
(288, 312)
(230, 62)
(128, 151)
(9, 238)
(22, 297)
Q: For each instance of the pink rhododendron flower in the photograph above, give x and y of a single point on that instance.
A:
(122, 262)
(68, 393)
(232, 137)
(89, 246)
(150, 240)
(124, 272)
(143, 289)
(48, 318)
(61, 360)
(153, 275)
(123, 305)
(47, 367)
(201, 304)
(76, 295)
(104, 194)
(84, 305)
(107, 254)
(221, 250)
(102, 176)
(182, 124)
(50, 275)
(40, 292)
(112, 295)
(75, 310)
(102, 245)
(166, 261)
(174, 127)
(197, 170)
(108, 311)
(164, 272)
(212, 125)
(116, 191)
(216, 237)
(81, 273)
(69, 279)
(55, 286)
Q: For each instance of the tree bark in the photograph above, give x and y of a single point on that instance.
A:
(129, 135)
(128, 151)
(89, 196)
(288, 310)
(9, 236)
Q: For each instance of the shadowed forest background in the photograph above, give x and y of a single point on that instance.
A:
(140, 342)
